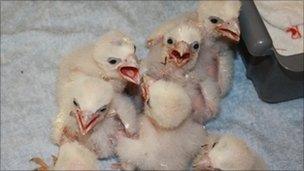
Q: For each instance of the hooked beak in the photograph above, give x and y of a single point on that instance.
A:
(230, 29)
(129, 70)
(130, 73)
(87, 120)
(180, 54)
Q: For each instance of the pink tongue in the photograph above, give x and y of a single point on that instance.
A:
(129, 71)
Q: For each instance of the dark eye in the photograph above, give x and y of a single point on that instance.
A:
(195, 46)
(170, 41)
(113, 60)
(102, 109)
(75, 103)
(214, 145)
(134, 48)
(215, 20)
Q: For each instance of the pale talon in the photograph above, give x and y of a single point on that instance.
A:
(41, 163)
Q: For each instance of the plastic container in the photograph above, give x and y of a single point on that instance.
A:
(276, 78)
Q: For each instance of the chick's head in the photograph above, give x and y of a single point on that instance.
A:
(91, 99)
(220, 18)
(231, 153)
(182, 44)
(226, 153)
(115, 55)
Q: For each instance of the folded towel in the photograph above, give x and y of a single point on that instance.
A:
(284, 22)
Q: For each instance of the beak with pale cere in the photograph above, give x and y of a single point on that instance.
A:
(129, 70)
(230, 29)
(180, 54)
(87, 120)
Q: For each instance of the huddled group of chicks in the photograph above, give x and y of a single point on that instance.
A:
(149, 113)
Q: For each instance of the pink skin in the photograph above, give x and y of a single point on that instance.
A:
(198, 104)
(130, 73)
(152, 42)
(212, 70)
(174, 52)
(175, 55)
(144, 92)
(128, 69)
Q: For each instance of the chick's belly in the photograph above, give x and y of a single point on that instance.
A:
(103, 139)
(176, 148)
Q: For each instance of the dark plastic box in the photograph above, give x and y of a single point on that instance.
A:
(276, 78)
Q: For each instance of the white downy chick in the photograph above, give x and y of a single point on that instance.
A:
(220, 19)
(103, 138)
(71, 156)
(214, 67)
(227, 153)
(205, 95)
(112, 58)
(92, 113)
(168, 139)
(83, 102)
(175, 53)
(164, 58)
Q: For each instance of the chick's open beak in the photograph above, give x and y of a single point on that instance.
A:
(129, 70)
(87, 120)
(180, 54)
(230, 29)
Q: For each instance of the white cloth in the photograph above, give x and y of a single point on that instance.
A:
(34, 37)
(278, 16)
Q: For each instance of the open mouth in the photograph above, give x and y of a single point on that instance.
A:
(229, 34)
(180, 60)
(86, 127)
(130, 74)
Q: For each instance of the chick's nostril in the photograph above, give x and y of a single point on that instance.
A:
(175, 53)
(186, 55)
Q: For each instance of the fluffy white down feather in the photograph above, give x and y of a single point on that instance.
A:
(170, 104)
(228, 152)
(90, 92)
(225, 11)
(162, 150)
(232, 153)
(91, 61)
(159, 148)
(73, 156)
(102, 140)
